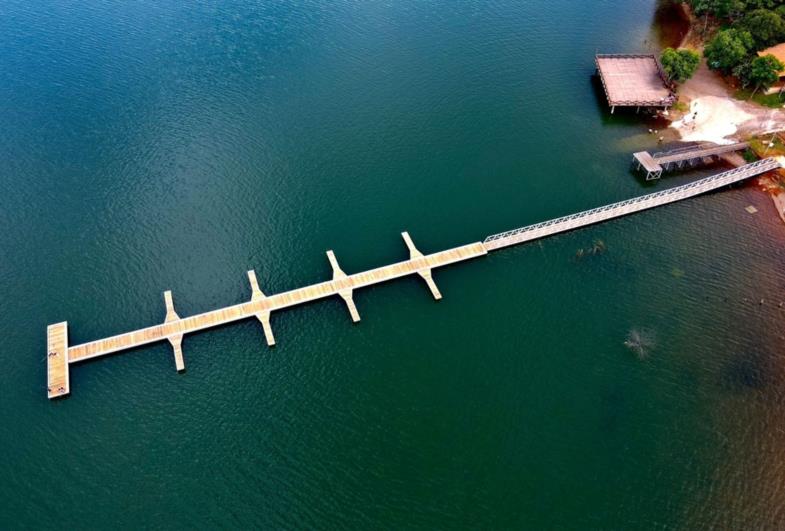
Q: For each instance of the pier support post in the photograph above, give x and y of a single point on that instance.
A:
(424, 273)
(263, 315)
(175, 340)
(57, 379)
(345, 293)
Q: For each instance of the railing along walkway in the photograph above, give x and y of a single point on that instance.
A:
(696, 152)
(622, 208)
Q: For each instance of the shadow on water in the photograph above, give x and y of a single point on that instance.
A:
(670, 24)
(747, 371)
(640, 176)
(613, 406)
(679, 175)
(624, 116)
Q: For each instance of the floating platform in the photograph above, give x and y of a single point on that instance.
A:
(57, 360)
(634, 80)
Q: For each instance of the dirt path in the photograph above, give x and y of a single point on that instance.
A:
(723, 119)
(720, 117)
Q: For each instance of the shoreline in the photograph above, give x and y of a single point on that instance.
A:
(723, 118)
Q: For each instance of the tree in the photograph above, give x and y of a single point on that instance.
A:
(742, 73)
(729, 8)
(680, 65)
(728, 49)
(703, 7)
(765, 26)
(764, 72)
(719, 8)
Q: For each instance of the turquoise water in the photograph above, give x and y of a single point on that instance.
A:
(170, 145)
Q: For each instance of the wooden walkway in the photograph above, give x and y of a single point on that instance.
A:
(260, 306)
(657, 163)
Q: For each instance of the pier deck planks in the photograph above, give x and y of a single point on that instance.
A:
(187, 325)
(57, 381)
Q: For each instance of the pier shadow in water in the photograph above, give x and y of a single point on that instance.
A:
(747, 371)
(613, 406)
(623, 116)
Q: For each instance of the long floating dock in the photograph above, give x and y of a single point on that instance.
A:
(260, 306)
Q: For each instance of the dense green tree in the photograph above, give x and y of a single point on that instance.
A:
(742, 72)
(728, 49)
(731, 9)
(723, 9)
(680, 65)
(764, 72)
(749, 5)
(765, 26)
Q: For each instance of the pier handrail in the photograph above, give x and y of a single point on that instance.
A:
(694, 152)
(643, 202)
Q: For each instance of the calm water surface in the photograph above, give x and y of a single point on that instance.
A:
(148, 146)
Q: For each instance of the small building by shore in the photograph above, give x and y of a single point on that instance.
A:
(634, 80)
(778, 51)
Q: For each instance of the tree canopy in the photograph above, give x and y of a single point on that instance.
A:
(736, 10)
(749, 27)
(679, 65)
(728, 49)
(764, 71)
(765, 26)
(719, 8)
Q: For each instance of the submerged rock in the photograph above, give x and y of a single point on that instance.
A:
(640, 341)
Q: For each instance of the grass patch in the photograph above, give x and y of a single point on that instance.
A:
(680, 106)
(774, 101)
(760, 146)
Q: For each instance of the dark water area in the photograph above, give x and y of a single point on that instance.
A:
(671, 23)
(171, 145)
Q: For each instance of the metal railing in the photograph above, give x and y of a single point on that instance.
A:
(633, 205)
(702, 150)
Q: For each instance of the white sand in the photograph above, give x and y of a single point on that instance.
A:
(717, 119)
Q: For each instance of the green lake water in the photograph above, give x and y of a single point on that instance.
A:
(149, 146)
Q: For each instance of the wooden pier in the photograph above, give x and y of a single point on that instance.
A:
(260, 306)
(634, 80)
(678, 158)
